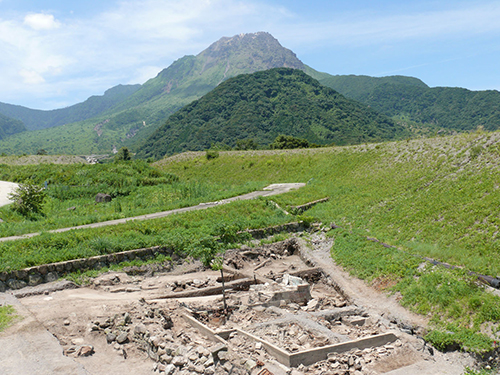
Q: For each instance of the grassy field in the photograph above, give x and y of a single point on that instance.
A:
(436, 197)
(136, 189)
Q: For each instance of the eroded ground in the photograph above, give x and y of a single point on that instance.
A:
(138, 321)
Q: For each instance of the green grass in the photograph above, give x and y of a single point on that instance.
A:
(456, 305)
(7, 316)
(427, 196)
(137, 189)
(180, 231)
(434, 197)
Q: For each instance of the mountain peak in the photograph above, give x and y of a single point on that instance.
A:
(251, 52)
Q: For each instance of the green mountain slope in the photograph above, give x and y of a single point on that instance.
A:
(37, 119)
(450, 108)
(355, 87)
(128, 115)
(263, 105)
(407, 97)
(9, 126)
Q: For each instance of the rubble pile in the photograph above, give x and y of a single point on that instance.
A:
(180, 329)
(291, 336)
(161, 334)
(353, 362)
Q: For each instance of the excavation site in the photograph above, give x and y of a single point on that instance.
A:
(279, 308)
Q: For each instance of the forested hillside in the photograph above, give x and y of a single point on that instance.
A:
(451, 108)
(407, 97)
(262, 105)
(9, 126)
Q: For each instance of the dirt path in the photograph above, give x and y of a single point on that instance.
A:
(356, 289)
(5, 189)
(317, 253)
(270, 190)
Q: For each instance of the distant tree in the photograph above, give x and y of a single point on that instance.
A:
(28, 198)
(123, 155)
(212, 154)
(246, 144)
(220, 146)
(287, 142)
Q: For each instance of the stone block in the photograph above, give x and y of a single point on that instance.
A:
(51, 276)
(35, 279)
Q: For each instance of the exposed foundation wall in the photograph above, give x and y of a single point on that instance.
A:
(50, 272)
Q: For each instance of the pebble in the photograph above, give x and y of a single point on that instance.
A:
(122, 338)
(179, 361)
(165, 358)
(169, 369)
(140, 329)
(110, 337)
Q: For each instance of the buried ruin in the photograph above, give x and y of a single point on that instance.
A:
(284, 314)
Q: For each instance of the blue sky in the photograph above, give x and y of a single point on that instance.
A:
(55, 53)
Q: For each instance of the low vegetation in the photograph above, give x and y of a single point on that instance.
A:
(136, 189)
(433, 197)
(7, 316)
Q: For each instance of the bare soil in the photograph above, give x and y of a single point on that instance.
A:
(88, 321)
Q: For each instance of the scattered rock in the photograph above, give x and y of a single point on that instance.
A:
(110, 337)
(250, 364)
(218, 350)
(179, 361)
(140, 329)
(122, 338)
(169, 369)
(86, 350)
(102, 197)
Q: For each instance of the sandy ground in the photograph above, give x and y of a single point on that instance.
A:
(5, 189)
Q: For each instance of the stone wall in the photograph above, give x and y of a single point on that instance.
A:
(50, 272)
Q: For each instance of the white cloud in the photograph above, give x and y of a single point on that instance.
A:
(144, 73)
(362, 28)
(135, 39)
(31, 77)
(41, 21)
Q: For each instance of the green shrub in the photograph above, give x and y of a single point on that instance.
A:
(28, 199)
(211, 154)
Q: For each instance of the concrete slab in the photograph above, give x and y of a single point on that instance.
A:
(27, 348)
(308, 357)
